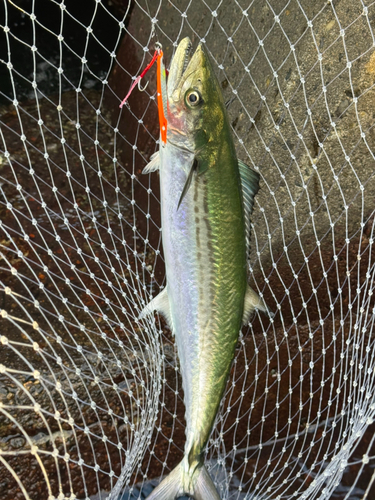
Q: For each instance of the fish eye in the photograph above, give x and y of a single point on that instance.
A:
(193, 98)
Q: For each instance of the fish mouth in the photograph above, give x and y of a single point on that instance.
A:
(183, 64)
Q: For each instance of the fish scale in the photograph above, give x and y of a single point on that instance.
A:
(203, 242)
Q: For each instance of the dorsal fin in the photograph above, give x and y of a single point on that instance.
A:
(250, 187)
(253, 302)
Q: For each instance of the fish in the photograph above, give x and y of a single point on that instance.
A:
(207, 197)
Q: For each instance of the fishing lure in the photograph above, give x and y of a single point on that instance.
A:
(161, 76)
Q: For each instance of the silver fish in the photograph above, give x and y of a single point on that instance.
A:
(207, 196)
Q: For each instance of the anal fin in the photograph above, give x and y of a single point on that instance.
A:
(159, 303)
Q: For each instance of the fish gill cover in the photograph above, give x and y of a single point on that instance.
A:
(91, 396)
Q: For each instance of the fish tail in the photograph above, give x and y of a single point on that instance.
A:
(204, 487)
(200, 486)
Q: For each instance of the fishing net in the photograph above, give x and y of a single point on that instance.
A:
(90, 396)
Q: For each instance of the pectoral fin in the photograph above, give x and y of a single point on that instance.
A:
(253, 302)
(153, 165)
(194, 167)
(160, 303)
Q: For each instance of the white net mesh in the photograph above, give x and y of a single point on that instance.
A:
(90, 397)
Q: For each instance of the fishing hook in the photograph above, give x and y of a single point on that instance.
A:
(142, 89)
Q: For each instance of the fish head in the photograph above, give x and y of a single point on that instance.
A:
(195, 107)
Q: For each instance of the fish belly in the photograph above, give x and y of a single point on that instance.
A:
(204, 250)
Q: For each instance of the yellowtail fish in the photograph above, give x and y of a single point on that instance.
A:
(207, 196)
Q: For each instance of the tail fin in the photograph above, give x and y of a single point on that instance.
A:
(176, 485)
(204, 487)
